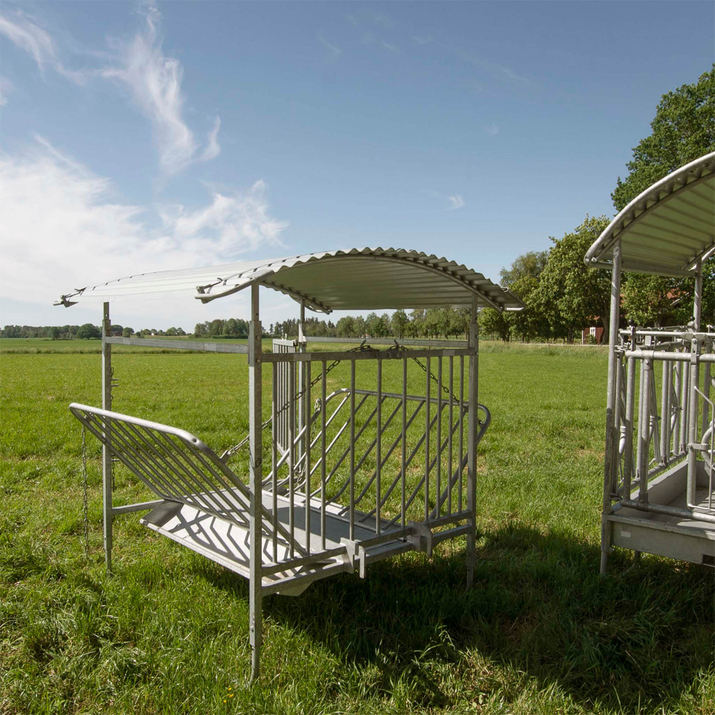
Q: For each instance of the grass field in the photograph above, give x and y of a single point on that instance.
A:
(540, 632)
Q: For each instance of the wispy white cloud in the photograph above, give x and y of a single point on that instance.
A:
(36, 41)
(456, 202)
(62, 226)
(495, 69)
(389, 46)
(334, 50)
(154, 81)
(492, 130)
(453, 202)
(213, 148)
(422, 40)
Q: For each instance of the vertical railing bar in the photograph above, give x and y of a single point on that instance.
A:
(461, 426)
(291, 455)
(438, 490)
(630, 408)
(323, 455)
(684, 407)
(675, 399)
(274, 459)
(451, 418)
(665, 417)
(378, 450)
(654, 427)
(308, 422)
(352, 451)
(644, 432)
(427, 436)
(404, 443)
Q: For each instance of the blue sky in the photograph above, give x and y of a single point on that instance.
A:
(139, 137)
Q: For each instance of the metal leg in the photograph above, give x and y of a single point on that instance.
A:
(256, 481)
(107, 486)
(612, 454)
(472, 445)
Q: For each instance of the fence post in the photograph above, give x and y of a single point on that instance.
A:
(255, 397)
(472, 441)
(612, 455)
(107, 486)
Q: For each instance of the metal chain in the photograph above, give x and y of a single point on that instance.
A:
(85, 500)
(232, 450)
(433, 377)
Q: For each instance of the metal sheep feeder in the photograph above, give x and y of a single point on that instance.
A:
(659, 490)
(335, 483)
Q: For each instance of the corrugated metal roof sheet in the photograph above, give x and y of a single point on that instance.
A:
(668, 227)
(356, 279)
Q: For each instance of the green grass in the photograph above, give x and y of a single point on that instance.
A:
(540, 632)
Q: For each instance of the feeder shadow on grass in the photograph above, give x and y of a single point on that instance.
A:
(538, 608)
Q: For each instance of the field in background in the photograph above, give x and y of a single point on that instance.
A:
(538, 633)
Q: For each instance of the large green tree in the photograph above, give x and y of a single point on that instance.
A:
(683, 130)
(571, 295)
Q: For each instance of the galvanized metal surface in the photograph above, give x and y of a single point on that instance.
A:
(668, 228)
(356, 279)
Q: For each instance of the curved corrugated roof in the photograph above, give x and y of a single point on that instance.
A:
(666, 229)
(356, 279)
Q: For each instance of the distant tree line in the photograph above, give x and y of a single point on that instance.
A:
(88, 331)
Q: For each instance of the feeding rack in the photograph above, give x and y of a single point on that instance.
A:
(335, 479)
(658, 492)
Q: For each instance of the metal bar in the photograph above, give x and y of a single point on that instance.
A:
(362, 355)
(107, 485)
(438, 466)
(428, 377)
(665, 413)
(611, 451)
(291, 455)
(472, 427)
(451, 419)
(391, 341)
(378, 450)
(306, 412)
(462, 456)
(403, 454)
(180, 345)
(352, 452)
(630, 409)
(684, 407)
(670, 511)
(644, 432)
(274, 457)
(693, 416)
(664, 355)
(323, 454)
(144, 506)
(255, 386)
(698, 296)
(675, 401)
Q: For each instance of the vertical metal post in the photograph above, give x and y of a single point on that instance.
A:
(428, 435)
(611, 460)
(694, 385)
(323, 454)
(403, 468)
(255, 398)
(472, 441)
(107, 486)
(378, 450)
(302, 346)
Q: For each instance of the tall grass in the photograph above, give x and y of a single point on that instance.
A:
(540, 632)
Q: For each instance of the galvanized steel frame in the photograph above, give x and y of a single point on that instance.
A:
(372, 534)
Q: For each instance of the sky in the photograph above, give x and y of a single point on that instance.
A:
(137, 137)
